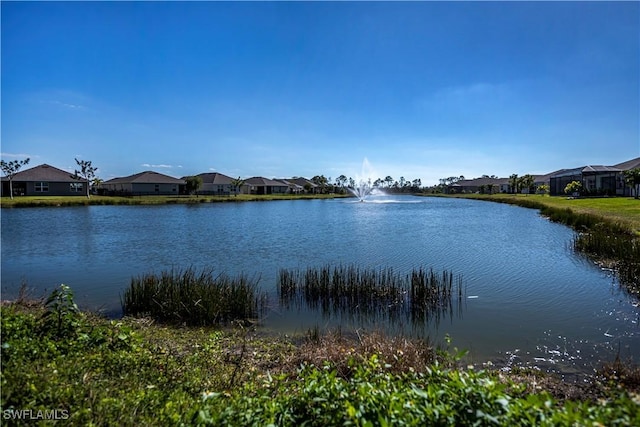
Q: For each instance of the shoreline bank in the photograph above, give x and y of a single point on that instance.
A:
(608, 228)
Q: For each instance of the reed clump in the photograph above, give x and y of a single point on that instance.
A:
(617, 249)
(371, 294)
(191, 297)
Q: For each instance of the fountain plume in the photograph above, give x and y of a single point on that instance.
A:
(363, 183)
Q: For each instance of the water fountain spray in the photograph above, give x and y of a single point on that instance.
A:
(363, 186)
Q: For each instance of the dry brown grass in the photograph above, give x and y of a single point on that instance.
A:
(345, 352)
(622, 374)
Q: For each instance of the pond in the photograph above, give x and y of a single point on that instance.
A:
(528, 298)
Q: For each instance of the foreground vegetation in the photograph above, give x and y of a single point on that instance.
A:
(58, 362)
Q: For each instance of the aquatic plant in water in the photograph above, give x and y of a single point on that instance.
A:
(370, 294)
(194, 298)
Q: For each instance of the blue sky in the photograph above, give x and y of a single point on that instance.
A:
(277, 89)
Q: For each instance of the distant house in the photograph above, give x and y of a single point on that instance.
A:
(561, 178)
(601, 179)
(260, 185)
(477, 185)
(216, 184)
(539, 180)
(308, 185)
(626, 166)
(144, 183)
(44, 180)
(595, 179)
(293, 187)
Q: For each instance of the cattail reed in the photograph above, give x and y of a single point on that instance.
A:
(371, 294)
(193, 298)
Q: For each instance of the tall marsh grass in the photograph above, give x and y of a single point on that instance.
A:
(371, 294)
(193, 297)
(620, 250)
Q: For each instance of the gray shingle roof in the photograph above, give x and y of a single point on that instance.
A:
(481, 181)
(291, 184)
(215, 178)
(629, 164)
(303, 181)
(258, 180)
(599, 168)
(147, 177)
(43, 172)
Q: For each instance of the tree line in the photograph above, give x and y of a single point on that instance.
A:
(87, 174)
(342, 184)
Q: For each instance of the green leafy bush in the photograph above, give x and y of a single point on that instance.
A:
(317, 396)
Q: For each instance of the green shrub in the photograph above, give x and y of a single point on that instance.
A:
(317, 396)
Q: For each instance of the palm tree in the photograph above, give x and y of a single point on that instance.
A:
(513, 183)
(526, 181)
(490, 188)
(321, 181)
(236, 184)
(96, 183)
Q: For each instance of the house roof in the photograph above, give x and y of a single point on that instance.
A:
(567, 172)
(258, 180)
(599, 168)
(291, 184)
(303, 182)
(629, 164)
(147, 177)
(43, 172)
(480, 181)
(215, 178)
(547, 177)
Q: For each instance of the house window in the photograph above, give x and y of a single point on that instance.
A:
(75, 187)
(42, 187)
